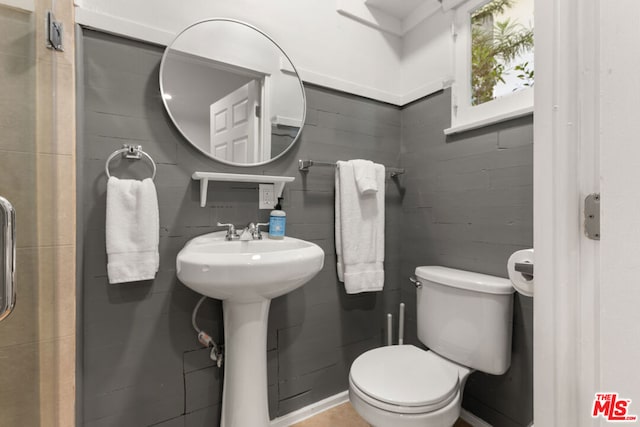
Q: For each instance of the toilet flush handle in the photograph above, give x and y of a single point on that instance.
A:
(415, 281)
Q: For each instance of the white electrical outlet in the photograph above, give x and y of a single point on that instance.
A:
(267, 196)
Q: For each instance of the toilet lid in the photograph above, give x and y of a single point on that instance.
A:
(404, 375)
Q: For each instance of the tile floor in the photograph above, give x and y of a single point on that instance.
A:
(345, 416)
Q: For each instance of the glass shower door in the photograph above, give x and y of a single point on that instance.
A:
(37, 176)
(20, 356)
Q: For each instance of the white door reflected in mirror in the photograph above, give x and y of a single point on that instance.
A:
(235, 126)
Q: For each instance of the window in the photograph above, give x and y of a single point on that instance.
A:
(494, 62)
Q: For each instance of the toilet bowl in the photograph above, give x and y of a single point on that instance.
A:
(404, 386)
(465, 319)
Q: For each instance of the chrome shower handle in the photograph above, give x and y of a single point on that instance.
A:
(8, 248)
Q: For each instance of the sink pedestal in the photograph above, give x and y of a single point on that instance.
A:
(246, 276)
(244, 396)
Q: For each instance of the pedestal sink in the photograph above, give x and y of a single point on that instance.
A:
(246, 275)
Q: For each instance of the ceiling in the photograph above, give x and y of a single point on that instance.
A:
(397, 8)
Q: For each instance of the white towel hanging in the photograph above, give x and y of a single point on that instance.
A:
(132, 230)
(359, 231)
(365, 175)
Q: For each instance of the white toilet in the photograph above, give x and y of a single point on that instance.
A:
(465, 319)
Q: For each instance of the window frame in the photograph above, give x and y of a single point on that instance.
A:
(464, 115)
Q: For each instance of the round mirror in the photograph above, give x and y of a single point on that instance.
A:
(232, 92)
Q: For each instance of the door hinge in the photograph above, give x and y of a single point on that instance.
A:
(592, 216)
(258, 111)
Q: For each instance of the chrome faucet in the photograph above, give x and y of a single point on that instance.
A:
(231, 231)
(257, 235)
(250, 232)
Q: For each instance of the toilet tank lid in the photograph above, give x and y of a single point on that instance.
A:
(465, 279)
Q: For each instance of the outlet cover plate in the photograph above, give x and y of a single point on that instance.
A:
(267, 196)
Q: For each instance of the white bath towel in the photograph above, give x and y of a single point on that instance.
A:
(132, 229)
(359, 231)
(365, 174)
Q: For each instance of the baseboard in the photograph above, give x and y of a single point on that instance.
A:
(473, 420)
(311, 410)
(340, 398)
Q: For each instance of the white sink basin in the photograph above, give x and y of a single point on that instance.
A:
(247, 271)
(246, 276)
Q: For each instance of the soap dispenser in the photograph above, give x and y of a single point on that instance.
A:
(277, 222)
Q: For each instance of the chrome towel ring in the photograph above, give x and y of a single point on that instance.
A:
(130, 152)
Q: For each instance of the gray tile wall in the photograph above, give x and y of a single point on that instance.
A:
(139, 359)
(468, 204)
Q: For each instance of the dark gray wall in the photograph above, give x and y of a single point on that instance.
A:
(139, 360)
(468, 204)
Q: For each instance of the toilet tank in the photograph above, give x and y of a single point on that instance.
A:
(466, 317)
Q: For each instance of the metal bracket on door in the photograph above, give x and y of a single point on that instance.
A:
(592, 216)
(54, 33)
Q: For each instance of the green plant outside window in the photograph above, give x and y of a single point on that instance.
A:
(501, 50)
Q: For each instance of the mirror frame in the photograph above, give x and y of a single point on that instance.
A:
(175, 123)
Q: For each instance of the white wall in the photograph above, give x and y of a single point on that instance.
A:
(326, 47)
(427, 57)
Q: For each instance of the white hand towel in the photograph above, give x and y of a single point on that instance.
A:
(365, 173)
(359, 232)
(132, 229)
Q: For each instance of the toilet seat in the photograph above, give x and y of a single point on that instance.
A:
(404, 379)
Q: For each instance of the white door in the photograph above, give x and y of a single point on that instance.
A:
(586, 315)
(235, 125)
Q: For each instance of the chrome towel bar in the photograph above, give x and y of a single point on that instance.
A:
(304, 165)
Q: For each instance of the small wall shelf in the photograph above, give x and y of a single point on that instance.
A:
(204, 178)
